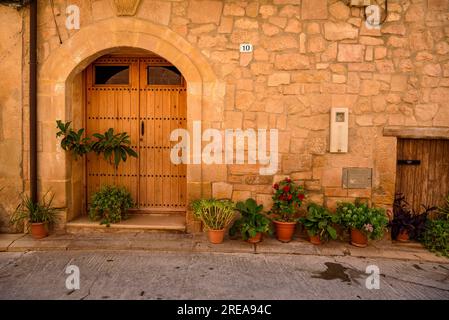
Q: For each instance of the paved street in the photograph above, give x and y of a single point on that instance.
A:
(158, 275)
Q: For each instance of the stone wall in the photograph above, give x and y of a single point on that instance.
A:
(309, 56)
(11, 111)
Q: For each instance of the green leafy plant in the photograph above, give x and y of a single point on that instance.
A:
(436, 236)
(287, 198)
(35, 212)
(443, 212)
(215, 214)
(72, 141)
(318, 222)
(370, 221)
(110, 204)
(114, 147)
(252, 221)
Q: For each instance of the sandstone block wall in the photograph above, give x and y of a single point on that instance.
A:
(309, 56)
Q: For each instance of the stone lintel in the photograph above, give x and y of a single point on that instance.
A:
(417, 132)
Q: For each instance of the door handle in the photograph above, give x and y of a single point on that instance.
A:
(142, 128)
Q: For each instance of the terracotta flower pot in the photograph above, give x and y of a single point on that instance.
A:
(358, 238)
(39, 230)
(315, 239)
(257, 238)
(403, 236)
(216, 236)
(285, 230)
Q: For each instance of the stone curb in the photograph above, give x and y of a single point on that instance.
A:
(199, 244)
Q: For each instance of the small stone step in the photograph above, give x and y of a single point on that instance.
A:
(154, 222)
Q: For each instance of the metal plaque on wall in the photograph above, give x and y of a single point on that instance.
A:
(357, 178)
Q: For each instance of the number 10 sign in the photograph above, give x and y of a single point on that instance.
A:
(246, 47)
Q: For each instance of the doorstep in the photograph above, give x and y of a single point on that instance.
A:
(150, 222)
(198, 243)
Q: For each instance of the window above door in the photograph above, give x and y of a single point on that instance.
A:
(164, 75)
(111, 74)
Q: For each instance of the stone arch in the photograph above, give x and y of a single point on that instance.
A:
(56, 74)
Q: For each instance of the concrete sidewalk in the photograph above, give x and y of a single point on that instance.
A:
(198, 243)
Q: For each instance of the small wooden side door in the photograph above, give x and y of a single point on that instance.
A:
(423, 171)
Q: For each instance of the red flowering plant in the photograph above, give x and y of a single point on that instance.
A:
(287, 198)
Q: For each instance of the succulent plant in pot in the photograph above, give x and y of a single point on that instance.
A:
(287, 199)
(319, 224)
(252, 223)
(364, 222)
(216, 215)
(37, 215)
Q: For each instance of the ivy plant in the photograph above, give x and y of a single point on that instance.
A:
(110, 205)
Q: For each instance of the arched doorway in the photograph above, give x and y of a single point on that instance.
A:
(60, 93)
(145, 96)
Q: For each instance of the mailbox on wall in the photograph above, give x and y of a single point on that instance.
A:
(339, 130)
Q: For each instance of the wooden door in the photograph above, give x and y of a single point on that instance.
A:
(121, 94)
(163, 109)
(423, 171)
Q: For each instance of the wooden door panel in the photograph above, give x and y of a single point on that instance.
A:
(114, 106)
(165, 182)
(426, 183)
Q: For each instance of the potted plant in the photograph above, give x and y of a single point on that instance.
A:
(402, 224)
(216, 216)
(436, 234)
(364, 222)
(318, 223)
(38, 216)
(287, 199)
(110, 205)
(407, 224)
(252, 224)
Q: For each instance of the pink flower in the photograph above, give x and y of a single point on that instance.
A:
(368, 227)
